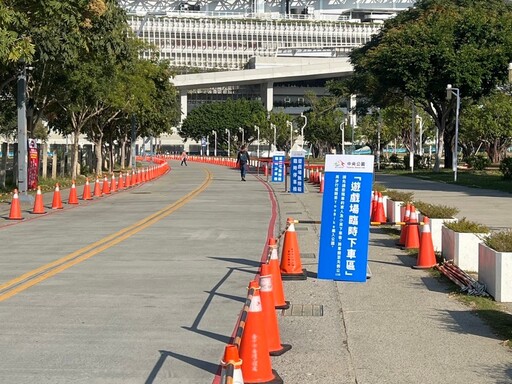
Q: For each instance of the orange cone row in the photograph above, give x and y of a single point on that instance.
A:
(138, 177)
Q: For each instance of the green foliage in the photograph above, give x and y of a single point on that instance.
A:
(435, 211)
(466, 226)
(395, 195)
(478, 162)
(506, 168)
(394, 158)
(500, 241)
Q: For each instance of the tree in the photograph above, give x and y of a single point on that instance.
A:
(488, 122)
(324, 119)
(230, 114)
(467, 43)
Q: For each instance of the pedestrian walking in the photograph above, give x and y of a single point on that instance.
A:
(242, 160)
(184, 158)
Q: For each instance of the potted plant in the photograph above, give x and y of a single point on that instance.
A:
(460, 241)
(395, 204)
(438, 215)
(495, 265)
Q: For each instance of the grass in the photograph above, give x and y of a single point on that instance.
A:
(487, 179)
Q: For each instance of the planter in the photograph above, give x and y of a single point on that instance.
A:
(461, 247)
(394, 211)
(436, 226)
(495, 271)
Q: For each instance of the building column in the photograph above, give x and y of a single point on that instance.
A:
(183, 104)
(267, 95)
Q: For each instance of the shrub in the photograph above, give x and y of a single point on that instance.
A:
(394, 158)
(506, 168)
(395, 195)
(466, 226)
(435, 211)
(500, 241)
(379, 187)
(478, 162)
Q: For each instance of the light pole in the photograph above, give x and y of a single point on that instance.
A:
(229, 141)
(289, 124)
(419, 119)
(207, 145)
(215, 145)
(240, 129)
(413, 128)
(22, 172)
(510, 73)
(302, 129)
(449, 92)
(258, 147)
(273, 126)
(342, 128)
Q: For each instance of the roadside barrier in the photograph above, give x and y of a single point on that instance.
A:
(412, 233)
(254, 350)
(275, 347)
(105, 190)
(231, 366)
(97, 188)
(73, 198)
(291, 264)
(113, 184)
(38, 203)
(86, 193)
(426, 255)
(407, 216)
(57, 200)
(15, 211)
(277, 281)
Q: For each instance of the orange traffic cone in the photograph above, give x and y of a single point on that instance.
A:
(86, 194)
(106, 188)
(269, 314)
(38, 203)
(232, 358)
(15, 211)
(113, 185)
(57, 200)
(405, 219)
(426, 254)
(73, 198)
(291, 265)
(321, 189)
(253, 345)
(97, 188)
(277, 281)
(120, 182)
(412, 235)
(378, 213)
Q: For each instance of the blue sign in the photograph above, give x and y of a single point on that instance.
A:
(278, 167)
(297, 172)
(345, 229)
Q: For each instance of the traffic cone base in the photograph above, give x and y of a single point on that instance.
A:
(284, 306)
(295, 276)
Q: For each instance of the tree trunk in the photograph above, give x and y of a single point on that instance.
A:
(99, 155)
(123, 152)
(74, 156)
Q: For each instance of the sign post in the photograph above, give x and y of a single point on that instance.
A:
(345, 229)
(33, 165)
(297, 172)
(278, 167)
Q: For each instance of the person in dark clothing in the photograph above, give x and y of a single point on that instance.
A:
(242, 160)
(184, 157)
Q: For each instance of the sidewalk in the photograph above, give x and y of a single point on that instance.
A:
(401, 326)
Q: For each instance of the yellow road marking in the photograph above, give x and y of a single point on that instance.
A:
(57, 266)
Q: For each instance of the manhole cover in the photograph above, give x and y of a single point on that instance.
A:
(304, 310)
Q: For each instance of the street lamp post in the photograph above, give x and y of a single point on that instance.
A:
(258, 147)
(449, 92)
(419, 119)
(302, 128)
(207, 145)
(273, 126)
(215, 145)
(342, 128)
(22, 172)
(229, 141)
(290, 124)
(240, 129)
